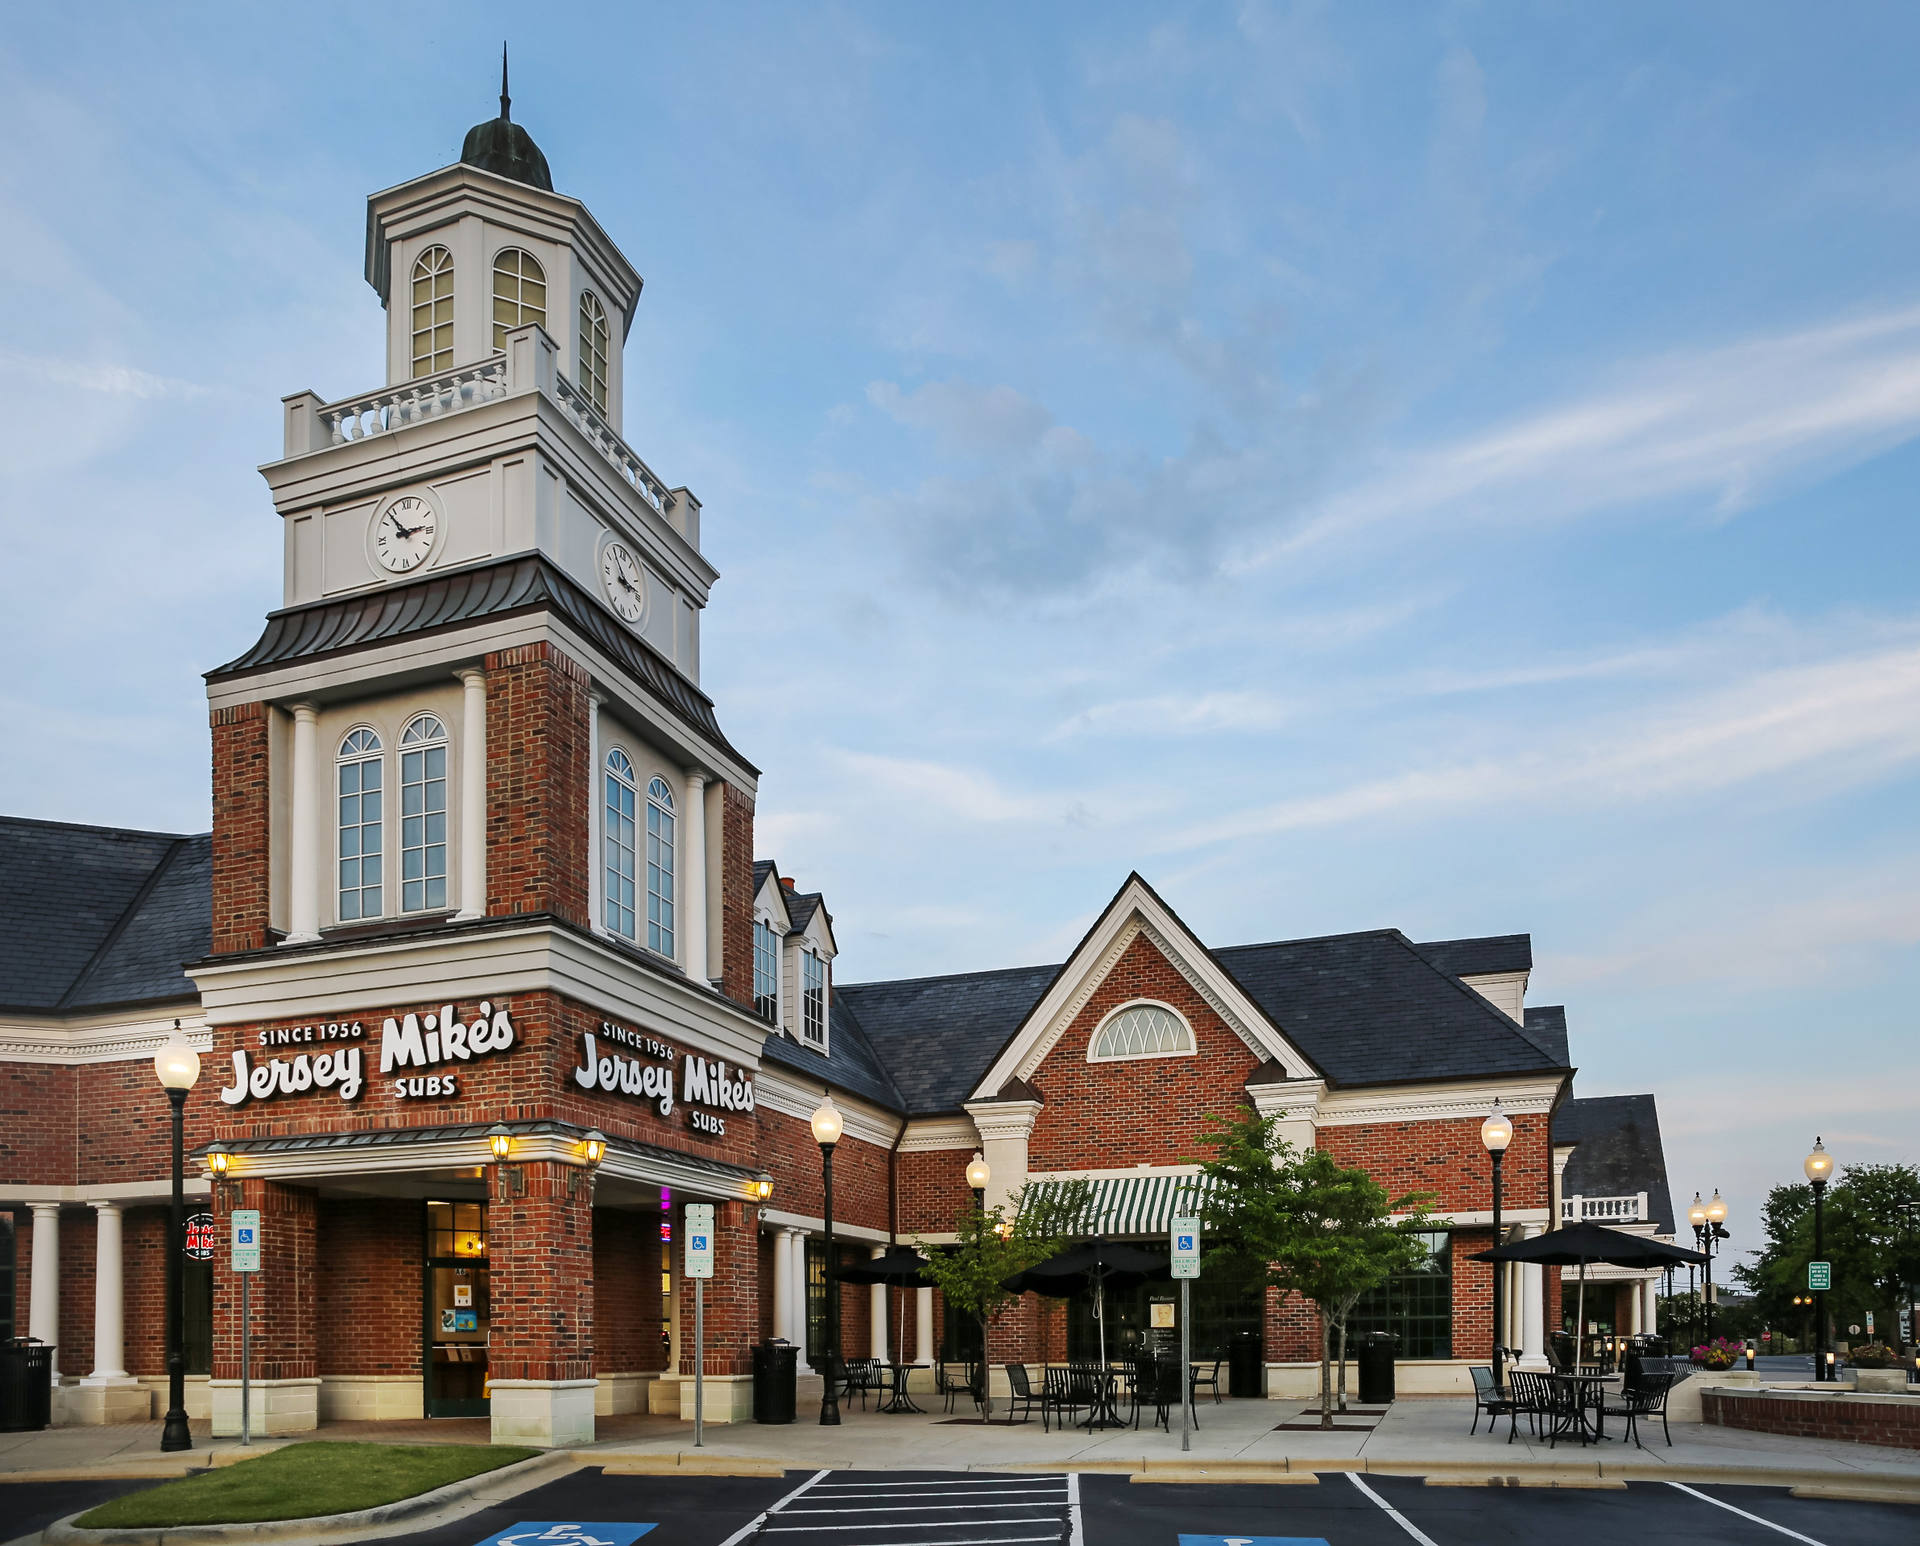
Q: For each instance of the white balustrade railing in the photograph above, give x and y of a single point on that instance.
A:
(1631, 1209)
(431, 397)
(585, 418)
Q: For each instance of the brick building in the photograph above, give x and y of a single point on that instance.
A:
(487, 983)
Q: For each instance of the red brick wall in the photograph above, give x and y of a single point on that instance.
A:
(1448, 1160)
(125, 1125)
(1156, 1101)
(736, 894)
(240, 827)
(538, 783)
(931, 1187)
(283, 1296)
(540, 1251)
(369, 1264)
(861, 1193)
(37, 1123)
(76, 1290)
(143, 1242)
(626, 1291)
(1895, 1422)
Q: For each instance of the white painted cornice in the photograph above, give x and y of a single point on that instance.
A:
(1298, 1099)
(1437, 1102)
(126, 1193)
(102, 1038)
(815, 1224)
(1118, 1173)
(778, 1088)
(1004, 1119)
(937, 1134)
(1469, 1218)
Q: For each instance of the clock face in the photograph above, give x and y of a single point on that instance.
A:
(403, 534)
(620, 576)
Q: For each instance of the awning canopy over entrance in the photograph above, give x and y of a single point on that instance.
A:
(1131, 1205)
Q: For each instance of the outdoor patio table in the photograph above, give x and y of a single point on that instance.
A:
(902, 1399)
(1583, 1390)
(1104, 1411)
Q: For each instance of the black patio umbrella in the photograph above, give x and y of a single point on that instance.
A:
(1093, 1265)
(899, 1266)
(1578, 1244)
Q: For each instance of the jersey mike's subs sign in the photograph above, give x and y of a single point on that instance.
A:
(437, 1040)
(707, 1087)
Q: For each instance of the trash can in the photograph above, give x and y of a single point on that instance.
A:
(1376, 1367)
(26, 1385)
(1245, 1377)
(774, 1364)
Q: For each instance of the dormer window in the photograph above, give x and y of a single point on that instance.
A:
(432, 312)
(766, 971)
(813, 999)
(660, 867)
(590, 367)
(519, 293)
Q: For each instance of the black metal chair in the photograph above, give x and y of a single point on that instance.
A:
(1060, 1396)
(1489, 1398)
(1531, 1396)
(945, 1385)
(1021, 1394)
(1645, 1396)
(1209, 1381)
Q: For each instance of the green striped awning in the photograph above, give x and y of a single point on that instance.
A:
(1134, 1205)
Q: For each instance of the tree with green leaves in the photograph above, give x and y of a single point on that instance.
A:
(993, 1244)
(1299, 1221)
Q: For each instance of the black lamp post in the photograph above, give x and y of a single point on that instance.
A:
(1496, 1133)
(1819, 1168)
(1709, 1229)
(827, 1127)
(177, 1066)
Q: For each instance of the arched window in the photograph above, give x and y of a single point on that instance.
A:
(519, 292)
(1142, 1030)
(590, 369)
(660, 867)
(621, 833)
(423, 815)
(359, 823)
(432, 312)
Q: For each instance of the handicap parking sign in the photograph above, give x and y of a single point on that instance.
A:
(552, 1532)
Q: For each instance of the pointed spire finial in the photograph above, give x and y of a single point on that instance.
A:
(506, 102)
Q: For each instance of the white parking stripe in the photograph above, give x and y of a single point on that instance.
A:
(1077, 1537)
(949, 1492)
(1690, 1492)
(905, 1508)
(1392, 1513)
(958, 1524)
(759, 1519)
(930, 1510)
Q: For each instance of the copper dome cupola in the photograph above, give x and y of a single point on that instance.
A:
(502, 147)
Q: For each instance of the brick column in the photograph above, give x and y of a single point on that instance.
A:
(538, 783)
(286, 1366)
(736, 894)
(733, 1315)
(540, 1368)
(240, 827)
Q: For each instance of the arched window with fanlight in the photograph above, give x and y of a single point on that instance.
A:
(359, 818)
(621, 840)
(660, 867)
(519, 292)
(590, 366)
(432, 312)
(1143, 1029)
(423, 815)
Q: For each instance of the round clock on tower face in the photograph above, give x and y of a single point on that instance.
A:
(403, 534)
(620, 577)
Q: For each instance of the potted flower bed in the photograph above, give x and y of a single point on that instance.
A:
(1718, 1356)
(1877, 1368)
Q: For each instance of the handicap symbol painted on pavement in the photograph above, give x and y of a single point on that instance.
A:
(552, 1532)
(1253, 1540)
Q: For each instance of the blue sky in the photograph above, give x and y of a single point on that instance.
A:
(1446, 467)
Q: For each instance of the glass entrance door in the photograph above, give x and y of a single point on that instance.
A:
(457, 1310)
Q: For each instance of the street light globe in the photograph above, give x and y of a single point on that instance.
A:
(1497, 1131)
(1819, 1164)
(827, 1124)
(1716, 1209)
(1697, 1214)
(176, 1065)
(979, 1172)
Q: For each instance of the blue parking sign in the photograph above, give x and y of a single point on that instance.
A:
(554, 1532)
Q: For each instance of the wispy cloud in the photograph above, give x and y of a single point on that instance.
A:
(106, 379)
(1202, 713)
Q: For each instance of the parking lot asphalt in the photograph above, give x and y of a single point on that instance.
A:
(26, 1508)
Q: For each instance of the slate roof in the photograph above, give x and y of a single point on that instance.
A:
(96, 917)
(450, 598)
(1547, 1030)
(1617, 1151)
(801, 906)
(850, 1062)
(1481, 957)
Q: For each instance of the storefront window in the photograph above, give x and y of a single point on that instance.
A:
(1417, 1306)
(457, 1231)
(458, 1309)
(960, 1339)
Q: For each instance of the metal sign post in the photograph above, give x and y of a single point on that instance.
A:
(246, 1262)
(1186, 1267)
(699, 1268)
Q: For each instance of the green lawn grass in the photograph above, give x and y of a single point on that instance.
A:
(302, 1480)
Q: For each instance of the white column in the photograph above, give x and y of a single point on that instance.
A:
(109, 1355)
(693, 879)
(923, 1326)
(473, 795)
(303, 868)
(800, 1295)
(879, 1297)
(1633, 1312)
(596, 817)
(783, 1283)
(1533, 1311)
(43, 1294)
(1650, 1305)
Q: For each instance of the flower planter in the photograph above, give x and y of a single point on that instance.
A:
(1881, 1382)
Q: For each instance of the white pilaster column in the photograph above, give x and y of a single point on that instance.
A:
(1004, 1127)
(1533, 1311)
(303, 854)
(1635, 1301)
(783, 1283)
(596, 816)
(473, 795)
(1650, 1305)
(800, 1296)
(923, 1326)
(879, 1314)
(109, 1355)
(43, 1294)
(693, 879)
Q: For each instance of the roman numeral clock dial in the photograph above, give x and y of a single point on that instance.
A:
(621, 579)
(404, 533)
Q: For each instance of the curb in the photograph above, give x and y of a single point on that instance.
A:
(680, 1462)
(443, 1505)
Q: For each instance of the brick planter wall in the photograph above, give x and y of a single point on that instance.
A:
(1890, 1420)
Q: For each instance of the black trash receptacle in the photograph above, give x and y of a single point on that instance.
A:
(1245, 1376)
(774, 1366)
(26, 1385)
(1376, 1367)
